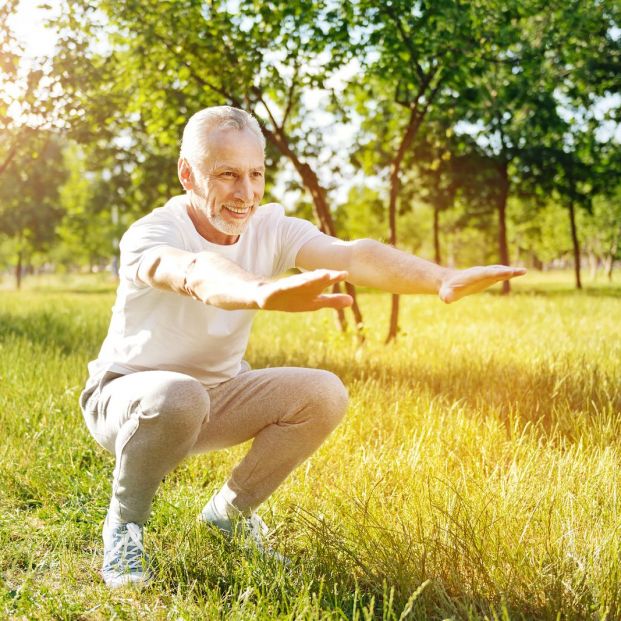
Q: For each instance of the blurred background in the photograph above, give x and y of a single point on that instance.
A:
(465, 132)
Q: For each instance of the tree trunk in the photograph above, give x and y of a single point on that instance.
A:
(395, 169)
(575, 242)
(393, 327)
(436, 234)
(608, 261)
(611, 258)
(503, 248)
(323, 216)
(18, 269)
(593, 265)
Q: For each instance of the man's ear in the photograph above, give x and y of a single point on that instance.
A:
(184, 171)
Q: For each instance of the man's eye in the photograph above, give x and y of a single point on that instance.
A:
(257, 173)
(228, 173)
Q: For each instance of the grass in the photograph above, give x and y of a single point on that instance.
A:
(475, 477)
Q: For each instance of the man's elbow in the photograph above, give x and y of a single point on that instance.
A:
(163, 270)
(148, 269)
(362, 261)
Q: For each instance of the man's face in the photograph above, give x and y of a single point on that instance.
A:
(229, 185)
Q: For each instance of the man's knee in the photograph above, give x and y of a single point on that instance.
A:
(179, 406)
(330, 398)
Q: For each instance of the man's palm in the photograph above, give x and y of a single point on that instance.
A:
(461, 283)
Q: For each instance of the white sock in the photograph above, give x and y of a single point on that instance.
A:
(224, 502)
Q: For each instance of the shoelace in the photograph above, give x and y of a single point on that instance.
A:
(128, 548)
(257, 529)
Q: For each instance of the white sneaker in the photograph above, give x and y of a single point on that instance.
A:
(251, 529)
(125, 561)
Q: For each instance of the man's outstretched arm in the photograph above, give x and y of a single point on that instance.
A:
(217, 281)
(372, 264)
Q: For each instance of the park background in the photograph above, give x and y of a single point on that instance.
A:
(477, 473)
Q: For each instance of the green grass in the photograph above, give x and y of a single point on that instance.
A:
(476, 475)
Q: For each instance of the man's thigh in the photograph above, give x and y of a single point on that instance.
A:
(241, 407)
(142, 393)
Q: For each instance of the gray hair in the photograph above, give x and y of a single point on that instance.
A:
(196, 132)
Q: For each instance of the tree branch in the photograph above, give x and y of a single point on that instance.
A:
(407, 41)
(199, 78)
(290, 95)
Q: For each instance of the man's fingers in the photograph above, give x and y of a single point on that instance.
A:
(316, 278)
(476, 279)
(333, 300)
(503, 272)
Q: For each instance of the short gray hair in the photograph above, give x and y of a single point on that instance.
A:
(197, 130)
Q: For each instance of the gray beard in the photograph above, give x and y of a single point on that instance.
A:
(219, 222)
(226, 227)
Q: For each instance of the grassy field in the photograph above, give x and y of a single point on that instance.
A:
(476, 475)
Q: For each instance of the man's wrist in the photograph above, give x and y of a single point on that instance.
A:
(260, 294)
(443, 275)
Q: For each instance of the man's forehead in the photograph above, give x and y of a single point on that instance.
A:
(234, 148)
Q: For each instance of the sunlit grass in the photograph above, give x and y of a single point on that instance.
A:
(475, 475)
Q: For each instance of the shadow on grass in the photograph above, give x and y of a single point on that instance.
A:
(562, 399)
(589, 292)
(554, 290)
(63, 331)
(558, 396)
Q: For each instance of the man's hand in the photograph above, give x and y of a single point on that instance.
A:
(302, 292)
(460, 283)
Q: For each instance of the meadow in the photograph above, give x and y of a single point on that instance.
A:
(476, 475)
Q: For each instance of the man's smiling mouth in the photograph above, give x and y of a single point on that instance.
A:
(237, 210)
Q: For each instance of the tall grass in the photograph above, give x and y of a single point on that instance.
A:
(476, 475)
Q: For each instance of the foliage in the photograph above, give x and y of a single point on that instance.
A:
(28, 94)
(88, 232)
(29, 207)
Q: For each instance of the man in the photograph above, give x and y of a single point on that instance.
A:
(170, 379)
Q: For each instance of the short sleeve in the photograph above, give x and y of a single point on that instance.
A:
(144, 235)
(293, 233)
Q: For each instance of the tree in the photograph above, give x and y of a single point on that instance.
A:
(424, 55)
(29, 205)
(28, 96)
(88, 232)
(519, 103)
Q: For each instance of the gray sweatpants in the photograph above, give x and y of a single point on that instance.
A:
(151, 420)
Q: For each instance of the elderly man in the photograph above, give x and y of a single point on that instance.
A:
(170, 379)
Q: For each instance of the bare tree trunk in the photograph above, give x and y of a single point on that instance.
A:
(608, 261)
(18, 269)
(611, 257)
(324, 217)
(322, 214)
(575, 242)
(395, 169)
(593, 265)
(393, 327)
(503, 247)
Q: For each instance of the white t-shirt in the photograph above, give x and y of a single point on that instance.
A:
(154, 329)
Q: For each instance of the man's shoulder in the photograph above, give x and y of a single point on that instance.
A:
(163, 225)
(172, 212)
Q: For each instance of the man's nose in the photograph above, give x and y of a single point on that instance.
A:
(244, 190)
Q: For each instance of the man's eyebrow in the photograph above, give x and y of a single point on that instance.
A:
(221, 165)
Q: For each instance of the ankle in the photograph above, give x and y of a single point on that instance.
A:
(224, 502)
